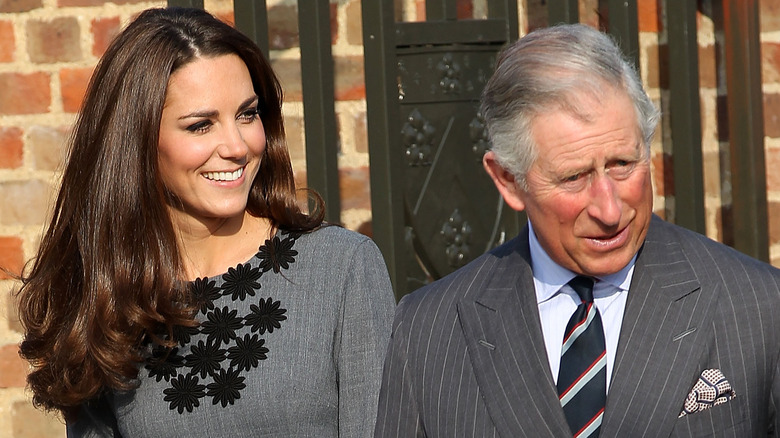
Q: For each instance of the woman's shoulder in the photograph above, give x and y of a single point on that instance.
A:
(331, 236)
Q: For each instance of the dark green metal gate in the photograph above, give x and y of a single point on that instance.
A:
(434, 207)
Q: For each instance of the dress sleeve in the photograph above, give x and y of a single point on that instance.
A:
(361, 342)
(94, 419)
(398, 414)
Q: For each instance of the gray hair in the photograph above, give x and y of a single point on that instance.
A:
(550, 69)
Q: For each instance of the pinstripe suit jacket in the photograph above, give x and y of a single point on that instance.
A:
(467, 356)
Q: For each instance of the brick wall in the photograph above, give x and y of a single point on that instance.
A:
(49, 47)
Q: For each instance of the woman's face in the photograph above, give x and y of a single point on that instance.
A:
(211, 140)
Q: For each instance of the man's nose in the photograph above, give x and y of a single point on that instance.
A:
(605, 203)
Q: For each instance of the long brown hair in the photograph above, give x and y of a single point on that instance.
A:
(108, 272)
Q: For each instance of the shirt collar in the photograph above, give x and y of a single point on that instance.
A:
(550, 277)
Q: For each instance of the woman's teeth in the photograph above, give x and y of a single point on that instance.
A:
(224, 176)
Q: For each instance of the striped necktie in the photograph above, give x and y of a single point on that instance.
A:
(582, 379)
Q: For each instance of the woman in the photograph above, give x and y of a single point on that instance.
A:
(179, 288)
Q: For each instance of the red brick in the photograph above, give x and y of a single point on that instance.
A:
(11, 148)
(7, 41)
(334, 22)
(650, 19)
(300, 182)
(349, 80)
(24, 202)
(14, 6)
(774, 222)
(770, 62)
(226, 16)
(712, 171)
(420, 6)
(772, 159)
(283, 27)
(663, 174)
(361, 133)
(25, 93)
(708, 69)
(63, 3)
(772, 116)
(537, 15)
(13, 369)
(293, 126)
(289, 73)
(103, 32)
(769, 15)
(73, 85)
(366, 228)
(56, 40)
(465, 9)
(11, 258)
(355, 188)
(29, 422)
(657, 66)
(46, 146)
(354, 25)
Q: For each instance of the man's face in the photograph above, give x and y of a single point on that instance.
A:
(589, 195)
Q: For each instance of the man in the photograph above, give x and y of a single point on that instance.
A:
(599, 319)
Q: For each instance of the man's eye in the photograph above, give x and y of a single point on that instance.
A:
(572, 178)
(621, 168)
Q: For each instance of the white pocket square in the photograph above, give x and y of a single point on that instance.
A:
(710, 390)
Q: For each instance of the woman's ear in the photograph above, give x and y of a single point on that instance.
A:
(505, 182)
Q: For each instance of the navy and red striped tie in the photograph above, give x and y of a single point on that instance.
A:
(582, 379)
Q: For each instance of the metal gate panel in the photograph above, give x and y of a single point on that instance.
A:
(423, 84)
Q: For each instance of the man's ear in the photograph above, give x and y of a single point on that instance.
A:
(504, 181)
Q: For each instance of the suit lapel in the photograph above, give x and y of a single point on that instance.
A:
(504, 338)
(662, 338)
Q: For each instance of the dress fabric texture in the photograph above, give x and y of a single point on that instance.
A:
(290, 344)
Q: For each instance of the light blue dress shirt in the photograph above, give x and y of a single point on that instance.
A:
(557, 302)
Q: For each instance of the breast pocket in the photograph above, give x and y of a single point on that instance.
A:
(725, 420)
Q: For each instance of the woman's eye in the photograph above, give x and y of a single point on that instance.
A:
(249, 115)
(201, 126)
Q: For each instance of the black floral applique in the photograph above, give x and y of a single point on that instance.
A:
(247, 353)
(204, 359)
(277, 254)
(221, 325)
(226, 387)
(265, 316)
(183, 334)
(204, 292)
(184, 393)
(293, 234)
(241, 281)
(218, 354)
(164, 363)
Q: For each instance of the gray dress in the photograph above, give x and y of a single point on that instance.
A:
(291, 344)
